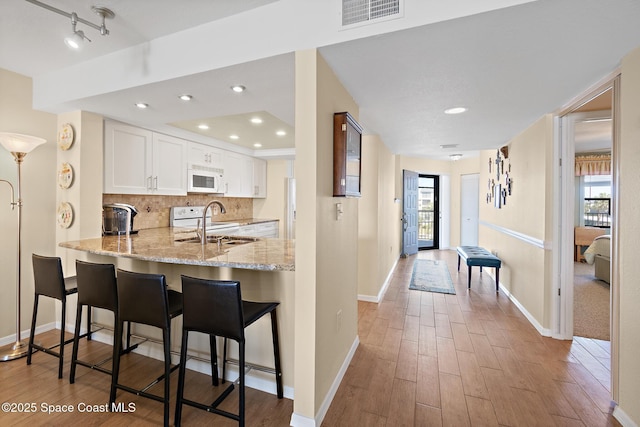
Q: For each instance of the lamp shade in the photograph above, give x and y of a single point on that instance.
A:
(18, 143)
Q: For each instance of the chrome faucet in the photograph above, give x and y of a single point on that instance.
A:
(203, 236)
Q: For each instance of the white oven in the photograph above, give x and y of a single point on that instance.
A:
(204, 179)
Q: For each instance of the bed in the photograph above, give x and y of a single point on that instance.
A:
(599, 253)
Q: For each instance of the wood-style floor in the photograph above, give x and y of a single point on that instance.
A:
(470, 359)
(424, 359)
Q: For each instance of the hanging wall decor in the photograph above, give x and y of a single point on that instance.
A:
(65, 137)
(499, 186)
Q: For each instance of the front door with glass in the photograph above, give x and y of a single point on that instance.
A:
(428, 213)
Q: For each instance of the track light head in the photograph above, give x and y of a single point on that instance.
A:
(76, 39)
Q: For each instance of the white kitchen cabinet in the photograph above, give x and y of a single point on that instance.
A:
(238, 175)
(259, 178)
(169, 173)
(138, 161)
(205, 155)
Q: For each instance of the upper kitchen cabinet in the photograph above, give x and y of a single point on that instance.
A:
(259, 178)
(347, 144)
(238, 175)
(138, 161)
(205, 155)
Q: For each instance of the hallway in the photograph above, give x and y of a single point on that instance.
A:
(428, 359)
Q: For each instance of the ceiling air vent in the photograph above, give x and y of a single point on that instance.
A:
(363, 11)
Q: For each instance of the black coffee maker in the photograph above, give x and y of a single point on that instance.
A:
(117, 218)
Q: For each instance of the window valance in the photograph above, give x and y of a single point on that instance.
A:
(593, 165)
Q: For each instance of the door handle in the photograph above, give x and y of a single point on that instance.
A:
(155, 182)
(149, 183)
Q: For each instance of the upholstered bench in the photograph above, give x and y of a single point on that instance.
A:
(477, 256)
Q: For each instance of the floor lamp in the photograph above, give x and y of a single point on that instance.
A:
(18, 145)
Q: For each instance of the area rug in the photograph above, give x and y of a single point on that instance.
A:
(431, 276)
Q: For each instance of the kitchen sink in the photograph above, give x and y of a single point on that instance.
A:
(224, 240)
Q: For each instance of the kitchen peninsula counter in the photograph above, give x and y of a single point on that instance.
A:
(168, 245)
(264, 267)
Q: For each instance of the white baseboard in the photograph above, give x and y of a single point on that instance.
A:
(302, 421)
(10, 339)
(543, 331)
(383, 290)
(623, 418)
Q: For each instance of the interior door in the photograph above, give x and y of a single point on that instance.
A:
(469, 209)
(409, 213)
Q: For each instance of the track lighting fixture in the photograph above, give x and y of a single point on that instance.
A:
(77, 37)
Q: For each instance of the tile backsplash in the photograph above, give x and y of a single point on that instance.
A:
(153, 211)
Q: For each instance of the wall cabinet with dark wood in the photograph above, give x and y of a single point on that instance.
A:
(347, 148)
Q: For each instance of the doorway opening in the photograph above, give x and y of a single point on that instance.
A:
(428, 212)
(586, 305)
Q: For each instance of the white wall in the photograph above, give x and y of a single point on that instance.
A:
(629, 203)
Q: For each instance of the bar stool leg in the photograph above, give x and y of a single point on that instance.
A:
(214, 360)
(276, 353)
(166, 335)
(89, 323)
(241, 391)
(76, 340)
(62, 325)
(181, 375)
(115, 370)
(33, 329)
(224, 361)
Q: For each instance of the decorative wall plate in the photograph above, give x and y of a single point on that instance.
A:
(65, 215)
(65, 137)
(65, 175)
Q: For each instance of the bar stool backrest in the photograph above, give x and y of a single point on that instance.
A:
(97, 285)
(48, 277)
(142, 298)
(213, 307)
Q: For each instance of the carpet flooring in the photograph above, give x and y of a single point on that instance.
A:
(590, 304)
(431, 276)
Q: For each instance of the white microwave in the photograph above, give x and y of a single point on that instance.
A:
(204, 179)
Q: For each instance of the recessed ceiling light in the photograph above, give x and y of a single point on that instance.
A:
(203, 126)
(185, 97)
(238, 88)
(455, 157)
(281, 133)
(455, 110)
(141, 105)
(234, 136)
(445, 146)
(257, 145)
(256, 120)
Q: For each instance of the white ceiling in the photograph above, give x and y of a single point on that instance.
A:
(508, 66)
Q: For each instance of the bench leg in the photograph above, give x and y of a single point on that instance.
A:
(469, 278)
(458, 262)
(497, 278)
(480, 269)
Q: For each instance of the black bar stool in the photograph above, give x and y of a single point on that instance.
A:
(96, 288)
(215, 307)
(50, 282)
(144, 298)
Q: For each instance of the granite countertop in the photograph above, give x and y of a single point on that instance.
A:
(167, 245)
